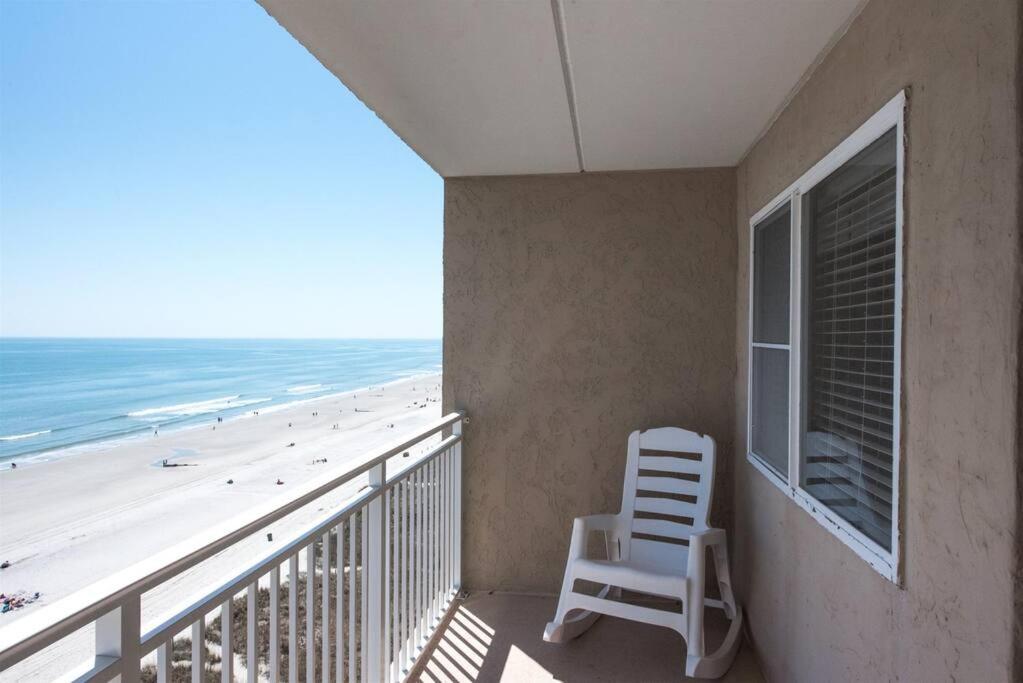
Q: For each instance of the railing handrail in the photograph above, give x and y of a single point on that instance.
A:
(35, 631)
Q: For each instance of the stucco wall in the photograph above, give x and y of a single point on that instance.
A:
(817, 611)
(578, 308)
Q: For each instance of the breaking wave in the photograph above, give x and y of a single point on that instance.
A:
(306, 389)
(19, 437)
(212, 405)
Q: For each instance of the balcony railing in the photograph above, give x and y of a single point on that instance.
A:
(386, 566)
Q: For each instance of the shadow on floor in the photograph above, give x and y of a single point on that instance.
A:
(499, 637)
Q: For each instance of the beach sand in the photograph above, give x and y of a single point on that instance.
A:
(67, 523)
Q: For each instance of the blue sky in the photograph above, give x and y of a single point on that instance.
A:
(187, 169)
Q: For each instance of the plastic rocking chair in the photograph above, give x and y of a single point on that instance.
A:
(669, 479)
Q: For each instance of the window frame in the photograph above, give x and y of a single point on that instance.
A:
(891, 115)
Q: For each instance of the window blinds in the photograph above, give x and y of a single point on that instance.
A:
(850, 337)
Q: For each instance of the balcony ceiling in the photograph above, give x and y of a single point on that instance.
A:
(556, 86)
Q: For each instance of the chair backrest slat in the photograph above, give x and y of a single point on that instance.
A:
(660, 527)
(661, 484)
(670, 464)
(667, 506)
(669, 481)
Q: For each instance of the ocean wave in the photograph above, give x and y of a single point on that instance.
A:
(19, 437)
(212, 405)
(306, 389)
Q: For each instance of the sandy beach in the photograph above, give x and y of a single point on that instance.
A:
(66, 523)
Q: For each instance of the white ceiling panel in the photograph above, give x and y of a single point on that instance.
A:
(667, 84)
(475, 88)
(490, 87)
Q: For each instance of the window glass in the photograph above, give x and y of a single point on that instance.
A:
(769, 425)
(849, 340)
(771, 273)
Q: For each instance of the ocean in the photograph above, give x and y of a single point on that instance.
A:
(59, 395)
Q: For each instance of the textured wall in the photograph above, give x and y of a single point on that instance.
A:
(578, 308)
(817, 611)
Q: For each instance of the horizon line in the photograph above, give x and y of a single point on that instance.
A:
(157, 337)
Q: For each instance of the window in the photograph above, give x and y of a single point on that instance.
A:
(769, 424)
(825, 339)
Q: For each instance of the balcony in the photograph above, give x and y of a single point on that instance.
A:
(381, 569)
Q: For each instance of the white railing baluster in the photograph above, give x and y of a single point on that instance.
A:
(431, 574)
(162, 664)
(352, 655)
(199, 650)
(252, 668)
(451, 527)
(423, 558)
(395, 583)
(325, 606)
(435, 542)
(293, 618)
(441, 544)
(275, 624)
(456, 429)
(339, 606)
(435, 587)
(405, 550)
(424, 476)
(117, 634)
(448, 463)
(310, 612)
(384, 613)
(431, 533)
(226, 645)
(447, 526)
(445, 519)
(421, 617)
(414, 571)
(365, 638)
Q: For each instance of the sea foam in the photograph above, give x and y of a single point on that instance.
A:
(19, 437)
(306, 389)
(198, 407)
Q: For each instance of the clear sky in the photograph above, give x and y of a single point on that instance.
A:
(187, 169)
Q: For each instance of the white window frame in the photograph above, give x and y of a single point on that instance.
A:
(888, 564)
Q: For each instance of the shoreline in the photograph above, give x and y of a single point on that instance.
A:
(59, 522)
(33, 459)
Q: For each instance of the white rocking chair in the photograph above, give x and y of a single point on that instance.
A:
(670, 473)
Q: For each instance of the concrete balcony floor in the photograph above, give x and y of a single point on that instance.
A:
(498, 637)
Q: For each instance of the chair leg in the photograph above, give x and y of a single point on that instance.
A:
(714, 665)
(724, 576)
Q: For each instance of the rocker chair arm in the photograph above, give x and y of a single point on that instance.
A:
(583, 526)
(699, 541)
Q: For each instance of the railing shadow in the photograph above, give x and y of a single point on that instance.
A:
(499, 637)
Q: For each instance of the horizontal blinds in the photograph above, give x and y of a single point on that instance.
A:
(848, 449)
